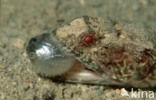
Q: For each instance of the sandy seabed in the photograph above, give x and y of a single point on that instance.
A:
(22, 19)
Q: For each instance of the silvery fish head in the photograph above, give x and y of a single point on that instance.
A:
(48, 59)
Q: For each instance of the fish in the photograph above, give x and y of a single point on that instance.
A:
(100, 51)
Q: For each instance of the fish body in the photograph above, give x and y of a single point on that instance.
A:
(101, 51)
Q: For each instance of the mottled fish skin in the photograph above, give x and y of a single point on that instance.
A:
(123, 54)
(100, 51)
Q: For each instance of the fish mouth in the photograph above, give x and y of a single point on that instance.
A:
(47, 58)
(37, 43)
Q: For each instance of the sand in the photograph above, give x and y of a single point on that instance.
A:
(22, 19)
